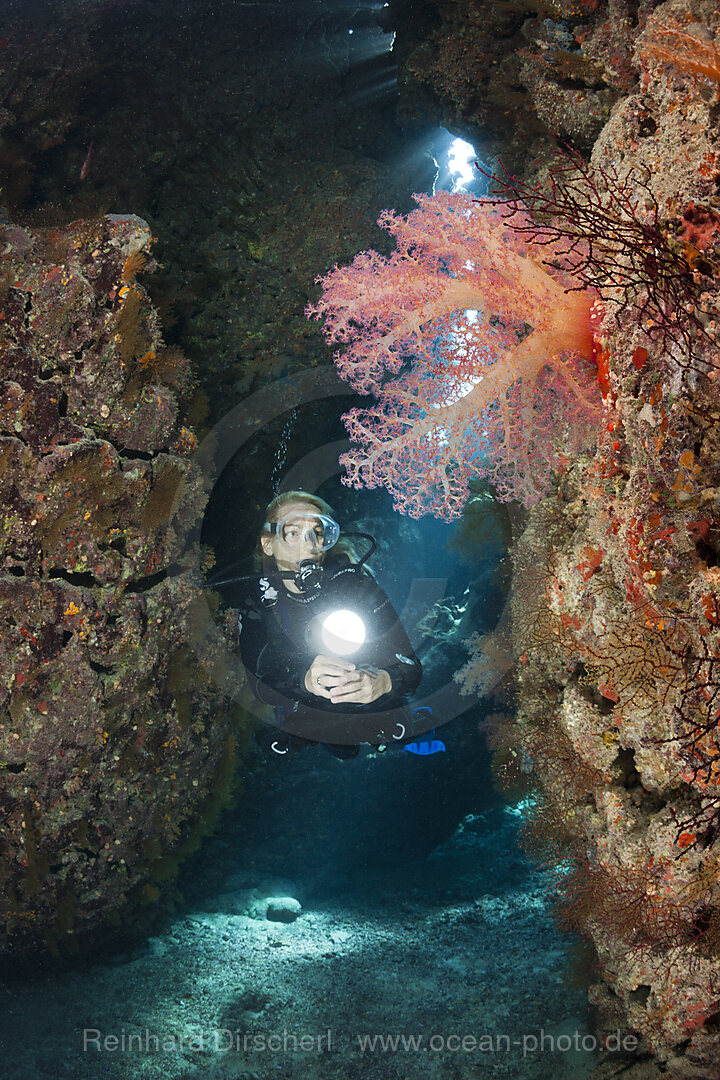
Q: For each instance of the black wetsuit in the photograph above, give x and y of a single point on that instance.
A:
(280, 637)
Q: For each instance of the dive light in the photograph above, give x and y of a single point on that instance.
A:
(343, 632)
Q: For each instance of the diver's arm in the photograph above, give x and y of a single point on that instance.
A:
(270, 664)
(252, 636)
(396, 654)
(405, 672)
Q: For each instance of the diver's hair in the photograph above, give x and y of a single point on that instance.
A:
(276, 508)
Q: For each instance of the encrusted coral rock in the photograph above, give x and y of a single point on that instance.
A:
(616, 606)
(540, 72)
(106, 747)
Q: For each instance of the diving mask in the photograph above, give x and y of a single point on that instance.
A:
(297, 529)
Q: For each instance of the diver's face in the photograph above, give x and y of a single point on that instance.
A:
(300, 538)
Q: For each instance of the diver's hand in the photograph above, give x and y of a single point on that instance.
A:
(361, 687)
(325, 673)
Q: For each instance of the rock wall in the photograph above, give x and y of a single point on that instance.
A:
(515, 76)
(110, 739)
(616, 592)
(617, 584)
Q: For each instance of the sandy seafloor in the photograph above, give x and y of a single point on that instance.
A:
(459, 944)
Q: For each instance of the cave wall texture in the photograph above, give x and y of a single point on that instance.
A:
(616, 583)
(517, 77)
(113, 746)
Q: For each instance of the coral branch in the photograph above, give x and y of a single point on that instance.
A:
(606, 229)
(475, 350)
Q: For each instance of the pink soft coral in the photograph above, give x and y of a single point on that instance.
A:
(474, 348)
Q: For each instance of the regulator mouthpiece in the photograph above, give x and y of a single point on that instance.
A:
(309, 576)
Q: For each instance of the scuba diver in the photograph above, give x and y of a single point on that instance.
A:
(319, 638)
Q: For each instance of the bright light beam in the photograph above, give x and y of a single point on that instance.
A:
(461, 159)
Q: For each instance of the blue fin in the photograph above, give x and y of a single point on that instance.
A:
(433, 746)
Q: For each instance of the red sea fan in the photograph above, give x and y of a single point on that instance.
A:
(611, 233)
(478, 355)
